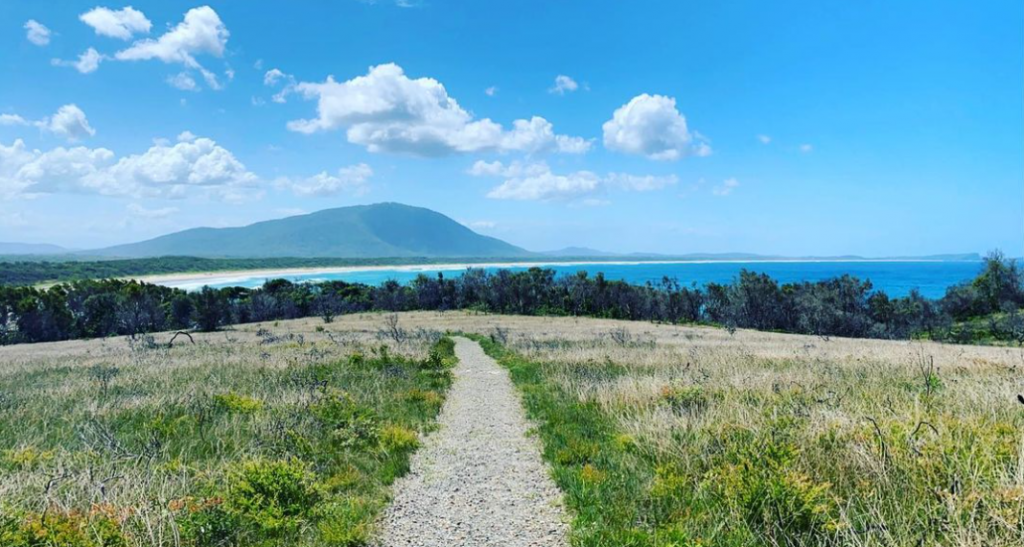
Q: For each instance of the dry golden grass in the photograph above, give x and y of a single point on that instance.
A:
(135, 429)
(895, 442)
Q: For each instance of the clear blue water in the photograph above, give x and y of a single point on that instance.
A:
(895, 278)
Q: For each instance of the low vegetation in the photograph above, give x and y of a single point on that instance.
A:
(985, 309)
(32, 270)
(661, 436)
(268, 435)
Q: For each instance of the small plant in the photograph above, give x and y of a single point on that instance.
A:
(392, 329)
(621, 336)
(395, 438)
(103, 376)
(274, 497)
(60, 529)
(347, 522)
(237, 404)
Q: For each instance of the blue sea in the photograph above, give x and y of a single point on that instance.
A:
(895, 278)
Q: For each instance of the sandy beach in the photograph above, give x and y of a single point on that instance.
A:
(198, 279)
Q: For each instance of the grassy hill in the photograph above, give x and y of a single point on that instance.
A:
(365, 231)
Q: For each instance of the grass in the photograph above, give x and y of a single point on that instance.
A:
(658, 435)
(269, 435)
(657, 441)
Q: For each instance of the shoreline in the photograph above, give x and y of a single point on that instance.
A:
(196, 279)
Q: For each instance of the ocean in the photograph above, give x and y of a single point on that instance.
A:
(895, 278)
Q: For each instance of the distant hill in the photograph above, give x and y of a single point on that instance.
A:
(365, 231)
(7, 248)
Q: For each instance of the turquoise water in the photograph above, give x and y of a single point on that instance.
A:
(895, 278)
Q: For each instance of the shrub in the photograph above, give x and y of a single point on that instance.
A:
(238, 404)
(60, 529)
(348, 522)
(274, 497)
(348, 423)
(396, 439)
(774, 498)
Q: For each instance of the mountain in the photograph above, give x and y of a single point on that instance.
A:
(30, 249)
(366, 231)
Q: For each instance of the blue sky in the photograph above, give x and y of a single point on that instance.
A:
(796, 128)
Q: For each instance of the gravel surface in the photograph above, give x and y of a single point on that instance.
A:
(479, 480)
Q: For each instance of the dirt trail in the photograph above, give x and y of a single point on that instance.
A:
(479, 480)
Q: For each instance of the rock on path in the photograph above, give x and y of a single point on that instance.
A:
(478, 481)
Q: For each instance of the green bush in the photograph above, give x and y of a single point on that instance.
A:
(273, 497)
(60, 529)
(238, 404)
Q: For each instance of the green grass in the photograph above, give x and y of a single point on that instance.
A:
(870, 456)
(282, 443)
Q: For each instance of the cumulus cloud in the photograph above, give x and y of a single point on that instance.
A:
(121, 24)
(765, 139)
(536, 182)
(650, 125)
(352, 179)
(164, 170)
(386, 111)
(563, 85)
(37, 33)
(69, 122)
(136, 210)
(201, 32)
(491, 91)
(87, 62)
(726, 188)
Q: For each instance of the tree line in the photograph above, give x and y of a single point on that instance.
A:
(985, 308)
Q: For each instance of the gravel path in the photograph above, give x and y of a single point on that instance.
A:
(478, 481)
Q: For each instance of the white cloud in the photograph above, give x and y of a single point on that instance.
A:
(186, 136)
(136, 210)
(765, 139)
(69, 122)
(183, 81)
(486, 169)
(491, 91)
(162, 171)
(564, 84)
(806, 148)
(651, 125)
(352, 179)
(121, 24)
(37, 33)
(31, 172)
(536, 182)
(201, 32)
(273, 76)
(480, 224)
(386, 111)
(12, 119)
(726, 188)
(547, 186)
(87, 62)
